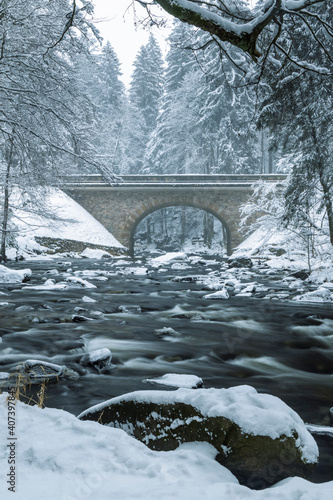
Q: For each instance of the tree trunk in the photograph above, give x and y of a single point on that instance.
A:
(4, 222)
(327, 202)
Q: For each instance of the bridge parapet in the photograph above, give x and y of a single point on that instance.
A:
(174, 180)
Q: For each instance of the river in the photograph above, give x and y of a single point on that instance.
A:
(281, 347)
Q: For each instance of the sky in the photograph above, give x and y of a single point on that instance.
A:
(116, 23)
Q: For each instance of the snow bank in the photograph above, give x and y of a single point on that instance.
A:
(76, 224)
(61, 457)
(256, 414)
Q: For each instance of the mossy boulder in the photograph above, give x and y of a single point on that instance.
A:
(162, 421)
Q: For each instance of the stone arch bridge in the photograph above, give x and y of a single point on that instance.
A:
(121, 206)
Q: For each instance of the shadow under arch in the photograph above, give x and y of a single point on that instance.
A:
(170, 204)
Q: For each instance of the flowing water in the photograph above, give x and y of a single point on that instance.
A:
(279, 347)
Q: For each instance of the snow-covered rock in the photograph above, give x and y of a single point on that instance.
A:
(53, 464)
(168, 258)
(220, 294)
(74, 281)
(166, 331)
(88, 299)
(249, 430)
(100, 358)
(177, 380)
(14, 276)
(130, 309)
(95, 253)
(37, 370)
(322, 294)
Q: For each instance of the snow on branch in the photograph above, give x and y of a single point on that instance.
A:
(231, 21)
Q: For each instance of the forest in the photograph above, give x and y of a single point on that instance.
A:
(217, 104)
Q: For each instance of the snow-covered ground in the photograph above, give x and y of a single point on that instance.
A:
(62, 458)
(72, 222)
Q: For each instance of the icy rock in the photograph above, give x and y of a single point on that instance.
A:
(37, 371)
(78, 282)
(177, 380)
(220, 294)
(53, 272)
(4, 375)
(14, 276)
(78, 318)
(130, 309)
(100, 358)
(240, 262)
(95, 253)
(24, 308)
(88, 299)
(185, 279)
(179, 266)
(320, 295)
(166, 331)
(250, 431)
(168, 258)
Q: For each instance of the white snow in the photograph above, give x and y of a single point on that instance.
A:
(13, 276)
(322, 294)
(62, 458)
(257, 414)
(88, 299)
(167, 258)
(220, 294)
(177, 380)
(98, 355)
(74, 223)
(94, 253)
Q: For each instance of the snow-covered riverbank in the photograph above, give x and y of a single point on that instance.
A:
(62, 458)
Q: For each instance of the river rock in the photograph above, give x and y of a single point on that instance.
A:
(14, 276)
(100, 358)
(177, 380)
(240, 262)
(36, 371)
(257, 436)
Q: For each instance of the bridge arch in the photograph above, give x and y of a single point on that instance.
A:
(122, 206)
(170, 204)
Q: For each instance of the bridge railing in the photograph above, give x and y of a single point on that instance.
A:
(211, 179)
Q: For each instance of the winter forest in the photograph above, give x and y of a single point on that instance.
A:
(166, 251)
(208, 108)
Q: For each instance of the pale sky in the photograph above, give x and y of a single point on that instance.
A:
(117, 25)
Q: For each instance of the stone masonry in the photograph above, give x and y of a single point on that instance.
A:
(121, 208)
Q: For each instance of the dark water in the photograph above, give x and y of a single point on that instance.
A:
(279, 347)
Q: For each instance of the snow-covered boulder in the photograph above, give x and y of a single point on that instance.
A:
(220, 294)
(14, 276)
(166, 331)
(100, 358)
(322, 294)
(168, 258)
(257, 436)
(74, 281)
(37, 371)
(95, 253)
